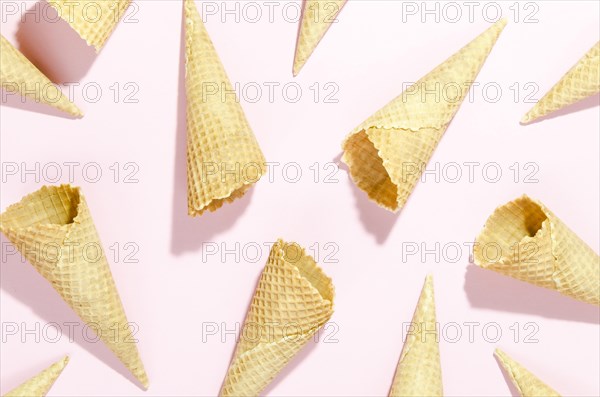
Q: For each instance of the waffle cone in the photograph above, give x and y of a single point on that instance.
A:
(582, 81)
(20, 75)
(387, 153)
(317, 17)
(293, 299)
(93, 20)
(223, 156)
(419, 370)
(53, 229)
(526, 382)
(523, 239)
(39, 385)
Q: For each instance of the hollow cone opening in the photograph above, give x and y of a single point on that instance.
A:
(367, 170)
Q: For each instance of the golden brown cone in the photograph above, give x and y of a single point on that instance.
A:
(93, 20)
(293, 299)
(523, 239)
(419, 371)
(526, 382)
(39, 385)
(17, 74)
(387, 153)
(317, 17)
(53, 229)
(582, 81)
(223, 156)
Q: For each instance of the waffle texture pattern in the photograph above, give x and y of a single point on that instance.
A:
(223, 156)
(582, 81)
(419, 371)
(39, 385)
(388, 152)
(53, 229)
(20, 75)
(526, 383)
(93, 20)
(317, 17)
(523, 239)
(293, 299)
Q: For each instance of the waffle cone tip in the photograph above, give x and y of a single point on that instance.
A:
(316, 18)
(523, 380)
(418, 371)
(65, 360)
(426, 303)
(429, 281)
(578, 83)
(526, 119)
(296, 69)
(143, 379)
(19, 75)
(499, 354)
(40, 384)
(298, 64)
(78, 113)
(502, 22)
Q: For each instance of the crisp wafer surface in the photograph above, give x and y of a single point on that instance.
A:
(419, 370)
(523, 239)
(526, 383)
(93, 20)
(388, 152)
(223, 156)
(317, 18)
(54, 231)
(293, 299)
(39, 385)
(582, 81)
(18, 74)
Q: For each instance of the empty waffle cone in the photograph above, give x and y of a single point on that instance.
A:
(293, 299)
(526, 382)
(223, 156)
(39, 385)
(523, 239)
(388, 152)
(93, 20)
(17, 74)
(419, 370)
(317, 17)
(582, 81)
(53, 229)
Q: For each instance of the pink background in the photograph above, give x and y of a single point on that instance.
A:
(369, 54)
